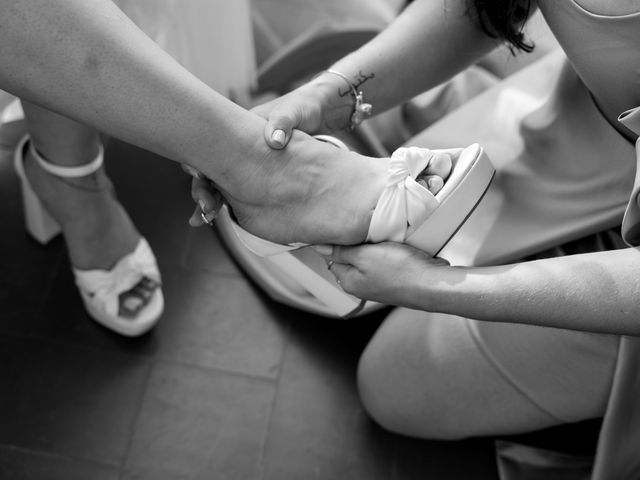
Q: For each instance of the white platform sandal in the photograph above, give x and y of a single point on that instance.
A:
(405, 212)
(106, 293)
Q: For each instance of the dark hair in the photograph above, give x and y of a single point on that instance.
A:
(504, 19)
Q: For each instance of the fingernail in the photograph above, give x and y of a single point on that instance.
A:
(278, 137)
(195, 221)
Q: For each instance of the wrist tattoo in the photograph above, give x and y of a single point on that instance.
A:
(360, 78)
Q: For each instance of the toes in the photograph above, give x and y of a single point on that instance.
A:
(439, 165)
(134, 300)
(433, 183)
(433, 177)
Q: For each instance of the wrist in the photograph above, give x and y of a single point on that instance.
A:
(339, 101)
(472, 292)
(443, 289)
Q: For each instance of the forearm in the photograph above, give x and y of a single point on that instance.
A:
(427, 44)
(596, 292)
(85, 59)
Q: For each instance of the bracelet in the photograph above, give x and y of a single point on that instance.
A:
(361, 110)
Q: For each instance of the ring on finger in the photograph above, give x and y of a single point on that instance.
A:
(205, 219)
(330, 264)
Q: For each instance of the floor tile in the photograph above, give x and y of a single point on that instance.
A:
(455, 460)
(157, 195)
(16, 464)
(218, 322)
(206, 252)
(70, 401)
(198, 423)
(319, 429)
(138, 473)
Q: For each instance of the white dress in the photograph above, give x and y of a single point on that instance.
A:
(210, 38)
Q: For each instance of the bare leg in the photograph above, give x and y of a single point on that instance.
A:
(97, 229)
(90, 63)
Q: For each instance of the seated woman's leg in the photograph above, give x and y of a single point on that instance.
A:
(440, 377)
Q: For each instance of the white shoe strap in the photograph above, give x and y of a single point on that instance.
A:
(68, 172)
(104, 287)
(404, 204)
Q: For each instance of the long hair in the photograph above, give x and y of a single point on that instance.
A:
(503, 19)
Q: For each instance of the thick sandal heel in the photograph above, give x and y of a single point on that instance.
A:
(39, 224)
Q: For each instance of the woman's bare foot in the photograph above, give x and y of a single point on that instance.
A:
(310, 192)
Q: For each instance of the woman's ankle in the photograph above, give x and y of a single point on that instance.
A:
(327, 194)
(80, 150)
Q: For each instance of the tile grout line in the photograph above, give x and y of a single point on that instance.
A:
(262, 455)
(135, 418)
(53, 455)
(219, 370)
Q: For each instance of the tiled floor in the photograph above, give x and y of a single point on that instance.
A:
(230, 385)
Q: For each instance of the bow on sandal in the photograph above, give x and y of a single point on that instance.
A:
(126, 299)
(409, 213)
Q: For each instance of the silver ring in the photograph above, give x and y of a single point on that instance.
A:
(330, 264)
(205, 219)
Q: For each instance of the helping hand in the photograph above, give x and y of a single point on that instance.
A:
(314, 107)
(207, 197)
(389, 273)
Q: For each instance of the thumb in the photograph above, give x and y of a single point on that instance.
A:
(277, 131)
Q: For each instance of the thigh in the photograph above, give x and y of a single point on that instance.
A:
(439, 376)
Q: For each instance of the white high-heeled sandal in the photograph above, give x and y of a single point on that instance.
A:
(103, 291)
(405, 212)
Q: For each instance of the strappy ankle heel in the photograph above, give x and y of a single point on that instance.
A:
(126, 299)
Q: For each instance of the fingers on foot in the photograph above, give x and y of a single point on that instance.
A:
(209, 202)
(277, 131)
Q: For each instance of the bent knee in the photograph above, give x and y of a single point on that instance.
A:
(417, 404)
